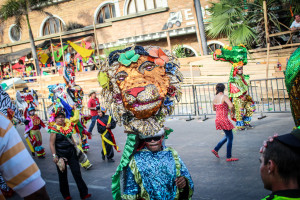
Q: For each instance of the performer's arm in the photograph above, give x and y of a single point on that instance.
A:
(113, 123)
(52, 147)
(189, 188)
(229, 103)
(42, 124)
(100, 128)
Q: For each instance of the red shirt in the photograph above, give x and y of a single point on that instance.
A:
(92, 104)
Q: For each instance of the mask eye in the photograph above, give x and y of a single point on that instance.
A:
(149, 66)
(121, 76)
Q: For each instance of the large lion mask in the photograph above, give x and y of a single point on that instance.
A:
(140, 85)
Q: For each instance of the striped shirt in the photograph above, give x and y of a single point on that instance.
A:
(16, 165)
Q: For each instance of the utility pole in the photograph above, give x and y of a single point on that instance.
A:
(201, 26)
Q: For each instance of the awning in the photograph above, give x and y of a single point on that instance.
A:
(14, 56)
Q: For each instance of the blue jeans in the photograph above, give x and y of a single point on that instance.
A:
(229, 138)
(94, 118)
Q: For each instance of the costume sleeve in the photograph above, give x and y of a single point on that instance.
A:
(189, 190)
(8, 103)
(100, 128)
(131, 188)
(113, 123)
(19, 169)
(75, 118)
(42, 123)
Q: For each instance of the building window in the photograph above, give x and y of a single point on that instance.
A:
(213, 46)
(52, 25)
(106, 12)
(135, 6)
(14, 33)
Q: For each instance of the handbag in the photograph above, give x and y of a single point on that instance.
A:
(61, 164)
(81, 156)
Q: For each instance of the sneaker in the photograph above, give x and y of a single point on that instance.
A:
(68, 198)
(249, 126)
(111, 160)
(231, 159)
(86, 196)
(215, 153)
(33, 154)
(88, 167)
(103, 157)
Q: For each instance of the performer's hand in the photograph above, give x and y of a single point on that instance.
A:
(26, 122)
(108, 126)
(55, 159)
(180, 182)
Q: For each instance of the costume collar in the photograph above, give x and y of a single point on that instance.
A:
(293, 193)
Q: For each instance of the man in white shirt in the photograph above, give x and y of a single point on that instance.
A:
(296, 24)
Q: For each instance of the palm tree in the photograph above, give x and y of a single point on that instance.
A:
(19, 10)
(229, 19)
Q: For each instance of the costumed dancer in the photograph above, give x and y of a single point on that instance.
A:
(238, 84)
(28, 101)
(64, 150)
(292, 82)
(73, 96)
(55, 94)
(140, 85)
(104, 125)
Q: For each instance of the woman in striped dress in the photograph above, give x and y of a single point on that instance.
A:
(222, 104)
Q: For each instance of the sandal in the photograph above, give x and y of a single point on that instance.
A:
(231, 159)
(216, 153)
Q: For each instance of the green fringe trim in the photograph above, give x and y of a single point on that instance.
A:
(292, 69)
(129, 149)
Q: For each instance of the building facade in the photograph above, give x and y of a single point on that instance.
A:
(117, 22)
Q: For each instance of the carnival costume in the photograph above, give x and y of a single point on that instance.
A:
(140, 85)
(238, 84)
(108, 138)
(292, 82)
(74, 128)
(28, 101)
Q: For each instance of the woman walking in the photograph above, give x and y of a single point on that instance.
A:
(64, 152)
(222, 104)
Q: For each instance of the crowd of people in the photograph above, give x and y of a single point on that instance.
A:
(149, 168)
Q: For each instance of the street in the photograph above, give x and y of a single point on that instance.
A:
(214, 179)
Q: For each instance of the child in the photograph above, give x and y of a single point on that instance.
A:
(33, 133)
(104, 125)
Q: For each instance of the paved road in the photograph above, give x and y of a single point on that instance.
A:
(214, 179)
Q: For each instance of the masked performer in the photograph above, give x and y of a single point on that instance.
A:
(140, 84)
(56, 91)
(72, 96)
(292, 82)
(238, 84)
(27, 100)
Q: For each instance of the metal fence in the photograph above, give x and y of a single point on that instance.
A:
(269, 95)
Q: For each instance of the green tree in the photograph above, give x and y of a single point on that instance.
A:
(19, 10)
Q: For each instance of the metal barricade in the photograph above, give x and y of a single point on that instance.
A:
(269, 95)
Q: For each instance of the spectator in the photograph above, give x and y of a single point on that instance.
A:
(221, 105)
(92, 105)
(280, 164)
(17, 166)
(296, 23)
(104, 125)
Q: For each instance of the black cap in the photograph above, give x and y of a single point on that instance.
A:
(291, 139)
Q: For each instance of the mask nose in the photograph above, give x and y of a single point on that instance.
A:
(135, 91)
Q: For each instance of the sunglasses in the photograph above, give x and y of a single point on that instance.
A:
(153, 138)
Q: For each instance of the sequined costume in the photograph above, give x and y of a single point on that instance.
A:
(140, 87)
(151, 175)
(292, 82)
(32, 131)
(238, 84)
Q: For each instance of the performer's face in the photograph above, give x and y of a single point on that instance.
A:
(32, 112)
(154, 144)
(100, 113)
(60, 120)
(240, 71)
